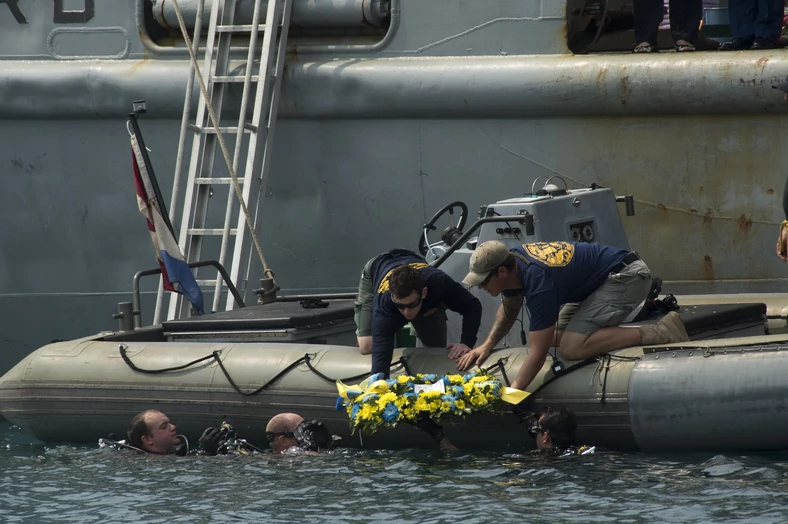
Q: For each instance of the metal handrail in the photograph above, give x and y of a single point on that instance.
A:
(135, 286)
(317, 296)
(525, 218)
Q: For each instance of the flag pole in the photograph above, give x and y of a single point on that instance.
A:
(139, 108)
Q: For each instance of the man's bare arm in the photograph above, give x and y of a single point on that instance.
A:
(540, 344)
(504, 320)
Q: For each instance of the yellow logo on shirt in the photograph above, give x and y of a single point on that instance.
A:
(429, 312)
(384, 284)
(551, 254)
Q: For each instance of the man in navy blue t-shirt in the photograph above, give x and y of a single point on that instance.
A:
(601, 285)
(400, 287)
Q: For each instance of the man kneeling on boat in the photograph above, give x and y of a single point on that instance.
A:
(400, 287)
(598, 285)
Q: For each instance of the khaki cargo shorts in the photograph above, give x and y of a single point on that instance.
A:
(610, 304)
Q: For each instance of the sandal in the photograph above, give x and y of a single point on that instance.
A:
(645, 47)
(685, 48)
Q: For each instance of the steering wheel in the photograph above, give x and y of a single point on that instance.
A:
(448, 233)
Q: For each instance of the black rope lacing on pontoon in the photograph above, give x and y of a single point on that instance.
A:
(306, 359)
(575, 367)
(501, 365)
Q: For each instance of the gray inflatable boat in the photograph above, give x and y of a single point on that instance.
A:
(245, 366)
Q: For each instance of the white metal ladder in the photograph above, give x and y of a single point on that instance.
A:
(254, 135)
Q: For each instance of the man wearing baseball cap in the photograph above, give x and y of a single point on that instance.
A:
(600, 284)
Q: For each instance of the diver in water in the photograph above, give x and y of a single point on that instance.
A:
(287, 432)
(152, 432)
(554, 432)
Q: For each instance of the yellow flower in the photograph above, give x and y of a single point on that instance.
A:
(479, 400)
(455, 379)
(401, 402)
(445, 406)
(430, 394)
(386, 398)
(366, 412)
(459, 404)
(402, 379)
(421, 404)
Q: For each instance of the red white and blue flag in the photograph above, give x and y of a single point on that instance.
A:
(175, 272)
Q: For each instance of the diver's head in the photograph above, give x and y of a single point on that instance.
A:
(407, 290)
(153, 432)
(280, 431)
(553, 428)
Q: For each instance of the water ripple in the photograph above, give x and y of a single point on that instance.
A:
(70, 484)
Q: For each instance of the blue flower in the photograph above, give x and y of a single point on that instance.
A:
(457, 390)
(410, 394)
(369, 397)
(446, 382)
(430, 378)
(469, 376)
(391, 382)
(354, 411)
(450, 399)
(390, 413)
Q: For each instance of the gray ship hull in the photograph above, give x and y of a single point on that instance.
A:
(378, 128)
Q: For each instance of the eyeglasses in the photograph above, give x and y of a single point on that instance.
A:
(489, 277)
(410, 305)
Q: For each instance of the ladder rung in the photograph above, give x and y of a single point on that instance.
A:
(234, 78)
(209, 232)
(212, 130)
(245, 28)
(216, 181)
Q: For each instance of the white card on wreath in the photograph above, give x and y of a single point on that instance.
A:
(438, 386)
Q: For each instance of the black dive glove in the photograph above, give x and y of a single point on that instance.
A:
(431, 428)
(211, 440)
(313, 436)
(524, 411)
